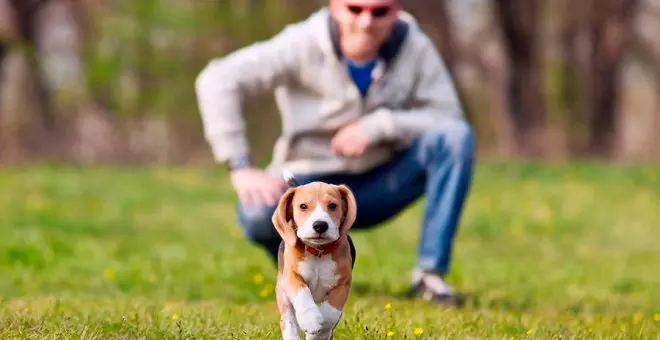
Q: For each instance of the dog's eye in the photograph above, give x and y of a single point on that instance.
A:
(303, 206)
(332, 206)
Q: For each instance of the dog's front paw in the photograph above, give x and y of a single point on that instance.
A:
(331, 315)
(325, 334)
(311, 321)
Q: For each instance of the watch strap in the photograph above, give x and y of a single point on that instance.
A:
(239, 163)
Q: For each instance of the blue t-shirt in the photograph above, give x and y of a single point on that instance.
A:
(361, 74)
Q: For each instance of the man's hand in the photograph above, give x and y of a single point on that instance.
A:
(256, 187)
(351, 140)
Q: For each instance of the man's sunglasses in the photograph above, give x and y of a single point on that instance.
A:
(376, 11)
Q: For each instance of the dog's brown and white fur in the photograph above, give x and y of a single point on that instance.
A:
(316, 258)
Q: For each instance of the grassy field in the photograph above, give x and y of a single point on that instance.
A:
(557, 252)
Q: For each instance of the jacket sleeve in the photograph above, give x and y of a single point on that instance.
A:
(434, 103)
(224, 82)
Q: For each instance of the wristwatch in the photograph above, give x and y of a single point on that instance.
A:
(239, 163)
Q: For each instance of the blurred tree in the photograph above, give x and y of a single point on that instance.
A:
(645, 47)
(434, 16)
(610, 29)
(26, 118)
(590, 87)
(573, 72)
(520, 23)
(111, 80)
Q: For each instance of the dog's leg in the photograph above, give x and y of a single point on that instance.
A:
(331, 317)
(288, 323)
(289, 326)
(307, 313)
(332, 310)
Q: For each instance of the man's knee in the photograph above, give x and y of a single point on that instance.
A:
(257, 224)
(457, 139)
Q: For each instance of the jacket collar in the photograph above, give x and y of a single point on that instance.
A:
(387, 52)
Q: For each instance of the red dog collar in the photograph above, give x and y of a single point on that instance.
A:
(323, 250)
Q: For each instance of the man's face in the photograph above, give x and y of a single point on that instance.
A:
(363, 25)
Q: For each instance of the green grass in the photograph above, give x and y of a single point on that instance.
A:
(556, 252)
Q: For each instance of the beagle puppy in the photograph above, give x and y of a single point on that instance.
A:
(316, 257)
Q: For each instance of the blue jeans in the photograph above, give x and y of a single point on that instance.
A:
(436, 165)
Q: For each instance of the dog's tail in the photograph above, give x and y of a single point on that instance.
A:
(289, 178)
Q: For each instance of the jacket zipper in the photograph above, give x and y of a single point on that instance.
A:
(363, 99)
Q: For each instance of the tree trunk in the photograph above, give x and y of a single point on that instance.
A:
(23, 129)
(145, 80)
(573, 75)
(648, 53)
(610, 30)
(520, 21)
(47, 76)
(58, 43)
(440, 27)
(451, 51)
(24, 104)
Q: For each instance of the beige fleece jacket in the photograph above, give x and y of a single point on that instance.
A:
(409, 95)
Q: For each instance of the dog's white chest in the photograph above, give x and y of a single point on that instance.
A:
(320, 275)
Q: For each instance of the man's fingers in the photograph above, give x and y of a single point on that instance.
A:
(257, 188)
(337, 148)
(279, 185)
(349, 142)
(356, 150)
(336, 143)
(255, 197)
(270, 190)
(360, 150)
(241, 196)
(277, 190)
(272, 198)
(267, 193)
(264, 197)
(342, 144)
(245, 197)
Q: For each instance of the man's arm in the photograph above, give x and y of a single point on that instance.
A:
(223, 84)
(434, 102)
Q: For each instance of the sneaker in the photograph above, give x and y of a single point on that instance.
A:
(432, 287)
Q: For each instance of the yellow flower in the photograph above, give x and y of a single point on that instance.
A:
(109, 273)
(258, 278)
(529, 332)
(656, 316)
(388, 306)
(266, 290)
(418, 331)
(390, 334)
(175, 316)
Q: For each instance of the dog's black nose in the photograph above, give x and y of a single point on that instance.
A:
(320, 226)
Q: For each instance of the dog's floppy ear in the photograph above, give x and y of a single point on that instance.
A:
(350, 208)
(283, 218)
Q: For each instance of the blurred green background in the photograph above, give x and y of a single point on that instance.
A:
(112, 81)
(544, 251)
